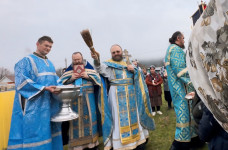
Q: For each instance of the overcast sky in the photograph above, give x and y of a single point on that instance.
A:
(143, 27)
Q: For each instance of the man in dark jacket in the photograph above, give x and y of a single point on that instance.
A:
(210, 131)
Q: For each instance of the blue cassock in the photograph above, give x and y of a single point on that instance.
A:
(31, 128)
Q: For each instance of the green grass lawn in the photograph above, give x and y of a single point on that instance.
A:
(162, 137)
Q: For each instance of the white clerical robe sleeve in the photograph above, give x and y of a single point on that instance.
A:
(104, 70)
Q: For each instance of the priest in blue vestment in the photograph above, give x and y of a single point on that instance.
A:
(180, 85)
(83, 132)
(35, 81)
(126, 114)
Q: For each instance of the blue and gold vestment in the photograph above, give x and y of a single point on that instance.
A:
(180, 84)
(132, 104)
(84, 130)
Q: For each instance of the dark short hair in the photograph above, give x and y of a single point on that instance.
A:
(173, 39)
(45, 38)
(152, 66)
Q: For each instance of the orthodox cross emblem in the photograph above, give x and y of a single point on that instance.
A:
(127, 56)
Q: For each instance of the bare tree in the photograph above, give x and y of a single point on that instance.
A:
(4, 72)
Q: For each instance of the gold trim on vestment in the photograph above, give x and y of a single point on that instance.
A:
(132, 138)
(81, 126)
(65, 75)
(81, 113)
(144, 96)
(183, 125)
(91, 71)
(117, 62)
(94, 80)
(127, 129)
(118, 112)
(182, 72)
(193, 123)
(89, 110)
(117, 101)
(182, 140)
(80, 120)
(125, 140)
(135, 126)
(140, 132)
(126, 81)
(88, 84)
(168, 57)
(124, 129)
(167, 63)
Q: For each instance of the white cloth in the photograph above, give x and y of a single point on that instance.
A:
(207, 59)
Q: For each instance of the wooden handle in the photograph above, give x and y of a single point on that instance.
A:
(95, 52)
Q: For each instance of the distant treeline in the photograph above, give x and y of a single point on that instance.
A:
(147, 63)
